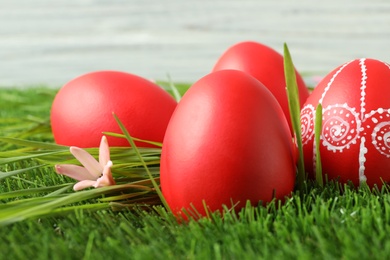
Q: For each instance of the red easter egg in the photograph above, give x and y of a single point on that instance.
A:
(266, 65)
(355, 137)
(227, 142)
(84, 107)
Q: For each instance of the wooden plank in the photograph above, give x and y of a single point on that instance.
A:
(51, 42)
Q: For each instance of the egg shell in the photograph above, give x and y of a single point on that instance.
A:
(227, 142)
(266, 65)
(84, 107)
(355, 137)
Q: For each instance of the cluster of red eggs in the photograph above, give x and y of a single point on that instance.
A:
(229, 139)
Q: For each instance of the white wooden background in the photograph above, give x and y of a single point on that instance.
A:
(52, 41)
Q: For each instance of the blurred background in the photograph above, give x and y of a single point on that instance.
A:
(45, 42)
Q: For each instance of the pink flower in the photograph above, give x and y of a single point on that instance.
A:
(317, 79)
(93, 174)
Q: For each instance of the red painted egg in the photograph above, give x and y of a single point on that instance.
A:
(266, 65)
(84, 108)
(355, 137)
(227, 142)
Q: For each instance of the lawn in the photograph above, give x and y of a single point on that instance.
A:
(331, 222)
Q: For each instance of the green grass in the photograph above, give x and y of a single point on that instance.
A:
(322, 223)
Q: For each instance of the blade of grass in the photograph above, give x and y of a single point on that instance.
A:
(31, 156)
(158, 144)
(295, 111)
(131, 141)
(31, 191)
(60, 191)
(174, 89)
(4, 175)
(60, 211)
(317, 136)
(54, 204)
(33, 144)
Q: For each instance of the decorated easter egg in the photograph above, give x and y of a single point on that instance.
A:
(355, 136)
(227, 142)
(266, 65)
(83, 109)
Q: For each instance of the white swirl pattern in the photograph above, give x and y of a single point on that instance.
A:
(379, 121)
(339, 129)
(307, 123)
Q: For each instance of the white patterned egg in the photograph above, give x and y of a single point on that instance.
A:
(355, 136)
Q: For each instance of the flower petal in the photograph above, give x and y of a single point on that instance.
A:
(104, 151)
(75, 172)
(83, 184)
(106, 179)
(87, 161)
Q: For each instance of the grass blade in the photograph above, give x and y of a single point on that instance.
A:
(26, 157)
(33, 144)
(295, 111)
(31, 191)
(174, 89)
(54, 204)
(131, 141)
(4, 175)
(158, 144)
(317, 136)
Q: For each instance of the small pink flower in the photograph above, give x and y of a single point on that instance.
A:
(93, 174)
(317, 79)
